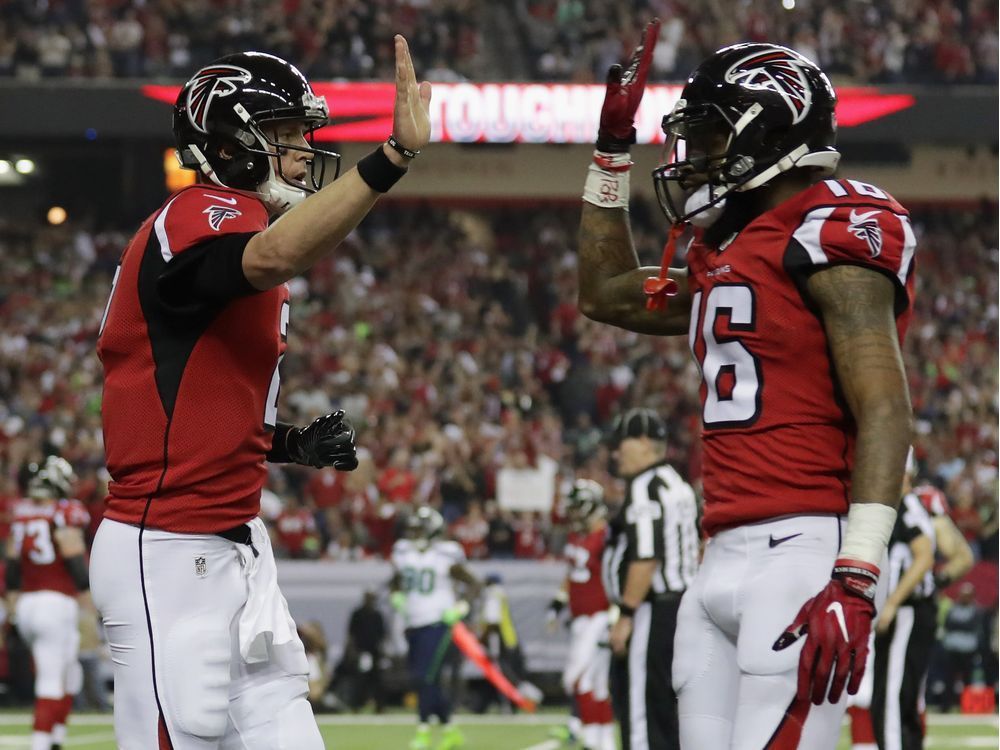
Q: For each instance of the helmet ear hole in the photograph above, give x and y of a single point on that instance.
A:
(235, 166)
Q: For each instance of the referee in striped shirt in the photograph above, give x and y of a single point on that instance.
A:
(904, 633)
(650, 559)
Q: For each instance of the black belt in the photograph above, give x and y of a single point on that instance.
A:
(240, 535)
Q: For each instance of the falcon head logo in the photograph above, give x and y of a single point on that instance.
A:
(865, 227)
(218, 214)
(213, 82)
(779, 71)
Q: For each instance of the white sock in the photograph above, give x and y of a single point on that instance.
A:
(591, 736)
(41, 741)
(608, 739)
(59, 734)
(575, 725)
(864, 746)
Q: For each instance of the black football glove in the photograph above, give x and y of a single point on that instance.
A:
(328, 441)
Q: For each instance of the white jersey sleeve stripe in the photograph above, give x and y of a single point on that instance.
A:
(808, 234)
(909, 246)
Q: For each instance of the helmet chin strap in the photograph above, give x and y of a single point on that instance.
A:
(277, 194)
(206, 168)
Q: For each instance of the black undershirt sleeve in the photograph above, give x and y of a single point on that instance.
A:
(12, 574)
(279, 445)
(209, 274)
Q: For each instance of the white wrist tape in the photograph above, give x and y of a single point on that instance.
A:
(607, 184)
(869, 526)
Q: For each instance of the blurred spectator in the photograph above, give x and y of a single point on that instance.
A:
(962, 645)
(926, 41)
(449, 386)
(314, 640)
(296, 531)
(327, 38)
(359, 674)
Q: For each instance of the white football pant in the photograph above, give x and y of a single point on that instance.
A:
(170, 614)
(734, 691)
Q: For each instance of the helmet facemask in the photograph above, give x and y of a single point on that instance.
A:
(265, 176)
(690, 185)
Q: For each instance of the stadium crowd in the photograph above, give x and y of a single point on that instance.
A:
(452, 338)
(879, 41)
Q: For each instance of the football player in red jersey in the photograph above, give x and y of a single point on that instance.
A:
(183, 574)
(46, 575)
(797, 291)
(586, 675)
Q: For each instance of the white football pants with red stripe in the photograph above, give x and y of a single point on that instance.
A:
(171, 605)
(734, 691)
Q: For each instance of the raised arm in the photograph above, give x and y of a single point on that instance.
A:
(610, 278)
(318, 224)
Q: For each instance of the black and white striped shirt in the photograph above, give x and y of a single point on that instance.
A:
(912, 521)
(657, 521)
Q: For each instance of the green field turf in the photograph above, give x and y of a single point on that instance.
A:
(393, 732)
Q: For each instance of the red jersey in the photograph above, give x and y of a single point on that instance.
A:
(933, 500)
(42, 567)
(296, 532)
(190, 386)
(777, 437)
(586, 591)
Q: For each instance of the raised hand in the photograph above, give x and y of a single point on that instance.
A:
(411, 120)
(625, 89)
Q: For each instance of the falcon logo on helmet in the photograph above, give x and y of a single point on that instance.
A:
(865, 227)
(775, 70)
(213, 82)
(218, 214)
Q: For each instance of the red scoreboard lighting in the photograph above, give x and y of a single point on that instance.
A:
(526, 112)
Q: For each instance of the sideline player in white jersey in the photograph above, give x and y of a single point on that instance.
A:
(426, 567)
(46, 572)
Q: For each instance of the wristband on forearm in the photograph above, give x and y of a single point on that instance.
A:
(279, 444)
(378, 172)
(625, 611)
(869, 526)
(607, 184)
(558, 602)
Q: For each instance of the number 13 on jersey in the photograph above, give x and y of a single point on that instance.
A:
(731, 373)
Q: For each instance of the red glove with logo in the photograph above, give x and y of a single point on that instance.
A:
(836, 623)
(621, 100)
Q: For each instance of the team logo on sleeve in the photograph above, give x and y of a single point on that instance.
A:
(865, 227)
(218, 214)
(778, 71)
(213, 82)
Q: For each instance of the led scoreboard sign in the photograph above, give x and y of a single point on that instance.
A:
(526, 112)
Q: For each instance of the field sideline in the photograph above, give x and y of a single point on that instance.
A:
(489, 732)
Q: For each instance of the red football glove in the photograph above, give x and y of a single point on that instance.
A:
(625, 88)
(837, 623)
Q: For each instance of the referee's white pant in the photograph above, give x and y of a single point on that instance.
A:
(641, 691)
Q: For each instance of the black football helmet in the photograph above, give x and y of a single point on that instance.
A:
(748, 113)
(584, 502)
(227, 104)
(53, 480)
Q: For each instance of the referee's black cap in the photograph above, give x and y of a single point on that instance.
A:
(638, 422)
